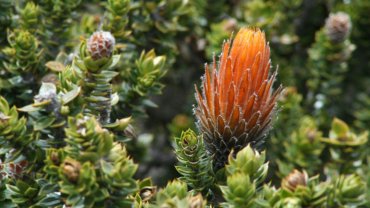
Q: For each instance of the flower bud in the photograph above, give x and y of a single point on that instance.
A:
(338, 26)
(71, 169)
(189, 138)
(55, 158)
(3, 119)
(196, 201)
(294, 179)
(147, 193)
(101, 44)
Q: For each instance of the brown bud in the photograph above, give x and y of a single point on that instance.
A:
(294, 179)
(71, 169)
(147, 193)
(196, 201)
(338, 26)
(311, 135)
(3, 118)
(101, 44)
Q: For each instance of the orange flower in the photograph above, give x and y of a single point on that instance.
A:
(237, 104)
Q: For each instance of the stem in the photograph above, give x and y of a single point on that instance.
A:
(98, 91)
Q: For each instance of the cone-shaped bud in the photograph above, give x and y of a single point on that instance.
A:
(338, 27)
(236, 105)
(294, 179)
(101, 44)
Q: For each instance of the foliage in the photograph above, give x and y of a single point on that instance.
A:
(97, 105)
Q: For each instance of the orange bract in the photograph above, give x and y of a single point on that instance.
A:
(236, 105)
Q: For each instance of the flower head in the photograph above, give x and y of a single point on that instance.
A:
(338, 27)
(237, 103)
(101, 44)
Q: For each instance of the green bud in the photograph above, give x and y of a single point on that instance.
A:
(239, 190)
(173, 189)
(25, 54)
(249, 162)
(30, 17)
(195, 164)
(188, 139)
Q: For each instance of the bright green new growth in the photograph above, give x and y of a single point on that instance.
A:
(96, 170)
(23, 55)
(176, 194)
(12, 133)
(244, 174)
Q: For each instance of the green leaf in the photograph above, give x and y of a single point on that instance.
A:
(29, 108)
(115, 60)
(69, 96)
(339, 128)
(107, 167)
(115, 99)
(43, 123)
(55, 66)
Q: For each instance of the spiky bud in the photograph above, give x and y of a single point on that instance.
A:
(101, 44)
(237, 102)
(338, 27)
(71, 169)
(294, 179)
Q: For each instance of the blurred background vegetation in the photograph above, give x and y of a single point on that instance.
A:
(321, 49)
